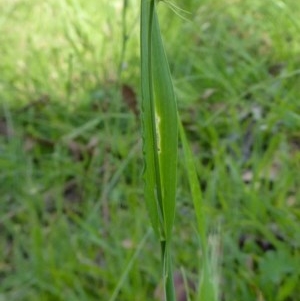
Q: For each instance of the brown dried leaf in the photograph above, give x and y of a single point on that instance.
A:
(76, 150)
(247, 176)
(276, 69)
(72, 191)
(93, 142)
(129, 97)
(208, 93)
(30, 142)
(5, 130)
(92, 146)
(127, 244)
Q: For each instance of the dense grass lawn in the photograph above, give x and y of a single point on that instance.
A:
(73, 222)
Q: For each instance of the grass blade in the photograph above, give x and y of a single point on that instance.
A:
(159, 125)
(160, 136)
(128, 267)
(166, 125)
(206, 290)
(148, 120)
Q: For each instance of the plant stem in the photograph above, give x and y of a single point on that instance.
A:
(169, 288)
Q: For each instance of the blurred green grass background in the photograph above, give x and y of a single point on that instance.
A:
(72, 216)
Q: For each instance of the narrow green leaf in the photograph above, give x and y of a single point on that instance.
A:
(129, 267)
(160, 136)
(206, 290)
(159, 115)
(166, 126)
(147, 119)
(194, 186)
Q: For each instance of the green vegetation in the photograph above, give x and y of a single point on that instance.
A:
(73, 220)
(160, 138)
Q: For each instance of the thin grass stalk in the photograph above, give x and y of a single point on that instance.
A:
(206, 288)
(167, 272)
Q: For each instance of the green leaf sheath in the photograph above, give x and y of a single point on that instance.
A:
(159, 117)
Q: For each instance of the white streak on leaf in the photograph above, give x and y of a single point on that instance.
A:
(157, 127)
